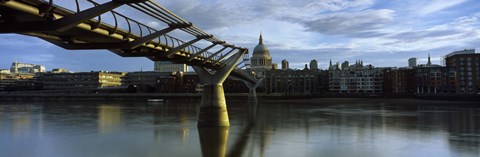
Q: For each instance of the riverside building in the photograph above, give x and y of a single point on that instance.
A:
(82, 80)
(167, 66)
(465, 67)
(293, 82)
(356, 79)
(18, 67)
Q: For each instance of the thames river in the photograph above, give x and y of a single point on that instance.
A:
(329, 127)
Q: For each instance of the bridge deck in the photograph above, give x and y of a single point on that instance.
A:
(29, 17)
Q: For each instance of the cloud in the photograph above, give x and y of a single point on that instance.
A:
(457, 33)
(40, 58)
(363, 24)
(205, 15)
(335, 5)
(305, 9)
(418, 35)
(433, 6)
(393, 45)
(15, 40)
(216, 14)
(307, 29)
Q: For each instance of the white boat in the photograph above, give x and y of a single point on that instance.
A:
(155, 100)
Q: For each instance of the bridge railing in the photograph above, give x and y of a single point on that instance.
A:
(166, 39)
(130, 29)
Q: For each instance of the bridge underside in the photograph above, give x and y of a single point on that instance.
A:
(84, 29)
(91, 35)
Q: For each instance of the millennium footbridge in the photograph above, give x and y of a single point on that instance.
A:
(135, 28)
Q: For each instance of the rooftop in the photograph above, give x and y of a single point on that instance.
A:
(461, 52)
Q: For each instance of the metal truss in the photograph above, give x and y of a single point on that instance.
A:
(84, 28)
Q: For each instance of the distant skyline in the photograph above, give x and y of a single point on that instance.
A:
(381, 33)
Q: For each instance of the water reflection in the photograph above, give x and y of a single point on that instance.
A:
(185, 129)
(109, 118)
(267, 129)
(180, 115)
(21, 124)
(213, 141)
(368, 129)
(241, 142)
(21, 121)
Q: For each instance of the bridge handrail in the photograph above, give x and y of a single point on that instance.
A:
(148, 7)
(164, 42)
(192, 48)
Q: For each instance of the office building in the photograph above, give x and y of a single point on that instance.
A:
(18, 67)
(356, 79)
(313, 65)
(434, 80)
(465, 66)
(285, 65)
(145, 81)
(412, 62)
(60, 70)
(167, 66)
(295, 82)
(9, 81)
(345, 65)
(4, 71)
(399, 81)
(82, 80)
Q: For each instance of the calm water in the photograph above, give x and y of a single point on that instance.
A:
(118, 129)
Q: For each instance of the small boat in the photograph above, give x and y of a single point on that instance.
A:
(155, 100)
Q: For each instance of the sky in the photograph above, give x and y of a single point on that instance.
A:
(381, 33)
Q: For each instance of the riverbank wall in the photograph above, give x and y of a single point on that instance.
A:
(198, 96)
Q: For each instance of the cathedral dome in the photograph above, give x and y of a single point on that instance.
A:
(261, 51)
(261, 58)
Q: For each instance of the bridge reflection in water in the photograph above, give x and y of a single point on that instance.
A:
(78, 129)
(213, 140)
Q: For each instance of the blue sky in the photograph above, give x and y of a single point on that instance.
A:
(381, 33)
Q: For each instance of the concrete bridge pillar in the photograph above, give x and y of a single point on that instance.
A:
(213, 107)
(252, 93)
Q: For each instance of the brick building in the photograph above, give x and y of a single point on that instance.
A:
(465, 66)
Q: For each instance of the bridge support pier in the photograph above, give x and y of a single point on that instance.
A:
(252, 93)
(252, 96)
(213, 107)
